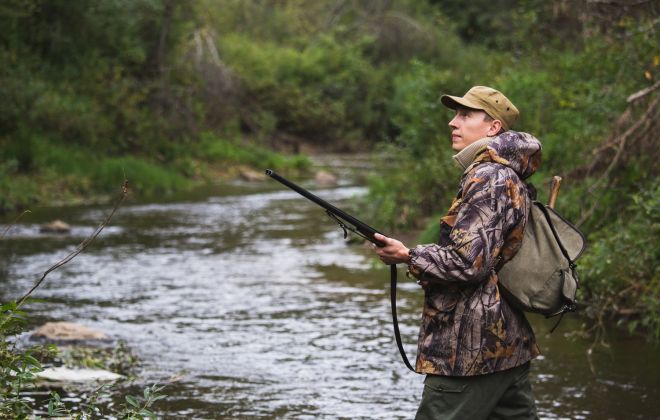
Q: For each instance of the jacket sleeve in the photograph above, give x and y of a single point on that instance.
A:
(476, 235)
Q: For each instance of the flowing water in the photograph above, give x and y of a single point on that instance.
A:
(249, 295)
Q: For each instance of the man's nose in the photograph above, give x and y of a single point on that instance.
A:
(452, 123)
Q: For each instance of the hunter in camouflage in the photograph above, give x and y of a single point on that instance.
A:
(473, 346)
(467, 328)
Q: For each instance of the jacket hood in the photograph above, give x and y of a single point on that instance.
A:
(519, 151)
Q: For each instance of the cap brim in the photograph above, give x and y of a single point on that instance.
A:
(453, 102)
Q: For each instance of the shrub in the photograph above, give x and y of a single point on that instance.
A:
(218, 150)
(621, 275)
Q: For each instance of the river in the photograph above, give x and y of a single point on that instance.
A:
(250, 296)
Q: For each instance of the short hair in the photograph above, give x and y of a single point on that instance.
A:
(487, 117)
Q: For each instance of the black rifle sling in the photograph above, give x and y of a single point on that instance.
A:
(395, 322)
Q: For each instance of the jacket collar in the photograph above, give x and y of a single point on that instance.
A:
(466, 156)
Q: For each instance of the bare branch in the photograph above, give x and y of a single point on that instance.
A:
(13, 223)
(640, 94)
(80, 248)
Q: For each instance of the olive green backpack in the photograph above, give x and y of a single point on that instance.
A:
(542, 276)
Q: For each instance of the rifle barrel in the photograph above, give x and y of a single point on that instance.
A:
(360, 226)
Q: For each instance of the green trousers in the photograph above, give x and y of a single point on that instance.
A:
(500, 395)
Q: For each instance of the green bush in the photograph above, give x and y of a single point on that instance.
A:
(419, 178)
(16, 191)
(620, 271)
(319, 93)
(17, 366)
(219, 150)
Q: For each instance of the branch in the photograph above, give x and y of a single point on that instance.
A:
(80, 248)
(618, 144)
(640, 94)
(13, 223)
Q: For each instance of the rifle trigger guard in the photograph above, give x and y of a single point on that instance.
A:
(345, 227)
(339, 222)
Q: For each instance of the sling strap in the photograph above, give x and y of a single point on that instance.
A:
(395, 322)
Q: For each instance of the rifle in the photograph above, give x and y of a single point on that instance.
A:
(345, 220)
(350, 223)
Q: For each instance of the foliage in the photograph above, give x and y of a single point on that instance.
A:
(621, 275)
(18, 365)
(139, 407)
(135, 407)
(319, 93)
(418, 158)
(134, 111)
(216, 149)
(118, 358)
(512, 25)
(87, 409)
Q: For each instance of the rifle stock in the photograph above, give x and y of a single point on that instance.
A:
(357, 226)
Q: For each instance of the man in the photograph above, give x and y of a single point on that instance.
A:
(473, 346)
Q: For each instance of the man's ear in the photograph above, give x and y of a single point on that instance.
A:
(495, 127)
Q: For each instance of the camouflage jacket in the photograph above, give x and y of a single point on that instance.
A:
(467, 328)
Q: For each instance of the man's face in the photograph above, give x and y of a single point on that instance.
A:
(468, 126)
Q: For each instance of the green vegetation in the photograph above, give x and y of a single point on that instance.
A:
(171, 94)
(18, 366)
(578, 99)
(95, 91)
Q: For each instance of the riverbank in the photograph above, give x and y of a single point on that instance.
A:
(67, 177)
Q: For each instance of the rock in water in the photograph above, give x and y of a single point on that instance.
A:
(67, 332)
(56, 226)
(250, 175)
(325, 178)
(64, 374)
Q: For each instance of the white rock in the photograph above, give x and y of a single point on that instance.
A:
(64, 374)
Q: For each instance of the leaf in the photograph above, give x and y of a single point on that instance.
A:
(132, 401)
(145, 412)
(31, 360)
(51, 408)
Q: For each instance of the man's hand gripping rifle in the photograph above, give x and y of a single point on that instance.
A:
(345, 220)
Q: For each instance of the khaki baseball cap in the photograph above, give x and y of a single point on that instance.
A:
(487, 99)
